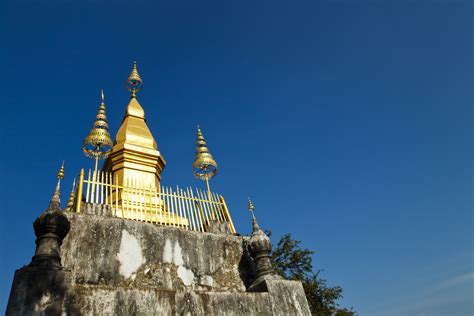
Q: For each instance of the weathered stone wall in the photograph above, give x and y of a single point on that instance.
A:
(114, 252)
(122, 267)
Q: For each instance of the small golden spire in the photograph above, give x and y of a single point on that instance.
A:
(254, 220)
(72, 195)
(98, 144)
(251, 207)
(204, 166)
(134, 82)
(60, 174)
(56, 195)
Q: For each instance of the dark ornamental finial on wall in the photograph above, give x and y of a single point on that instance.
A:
(260, 247)
(50, 229)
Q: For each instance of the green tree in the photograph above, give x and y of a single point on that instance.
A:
(295, 263)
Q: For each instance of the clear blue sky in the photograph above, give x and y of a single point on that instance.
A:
(348, 122)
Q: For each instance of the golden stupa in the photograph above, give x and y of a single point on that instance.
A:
(129, 184)
(135, 153)
(136, 162)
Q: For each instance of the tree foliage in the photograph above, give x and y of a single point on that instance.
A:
(295, 263)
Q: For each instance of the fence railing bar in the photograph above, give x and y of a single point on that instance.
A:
(168, 213)
(198, 211)
(175, 214)
(202, 210)
(214, 206)
(185, 211)
(161, 199)
(193, 211)
(100, 188)
(184, 201)
(205, 207)
(179, 208)
(191, 225)
(88, 181)
(111, 189)
(219, 207)
(117, 195)
(181, 212)
(175, 203)
(148, 204)
(106, 187)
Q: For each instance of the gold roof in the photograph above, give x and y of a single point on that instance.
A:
(205, 167)
(134, 129)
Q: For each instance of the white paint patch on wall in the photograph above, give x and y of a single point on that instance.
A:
(130, 255)
(175, 255)
(186, 275)
(178, 255)
(168, 252)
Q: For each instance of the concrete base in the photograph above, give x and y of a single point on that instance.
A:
(121, 267)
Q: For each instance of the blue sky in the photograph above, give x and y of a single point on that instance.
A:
(349, 123)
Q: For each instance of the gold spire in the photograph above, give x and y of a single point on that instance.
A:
(98, 144)
(254, 220)
(60, 174)
(70, 202)
(204, 166)
(56, 195)
(251, 207)
(135, 153)
(134, 82)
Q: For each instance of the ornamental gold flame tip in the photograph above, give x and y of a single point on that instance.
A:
(98, 143)
(251, 207)
(134, 82)
(204, 166)
(60, 174)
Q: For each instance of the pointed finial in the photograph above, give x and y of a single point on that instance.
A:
(260, 248)
(98, 143)
(251, 207)
(55, 199)
(134, 82)
(254, 219)
(204, 166)
(72, 195)
(102, 94)
(60, 174)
